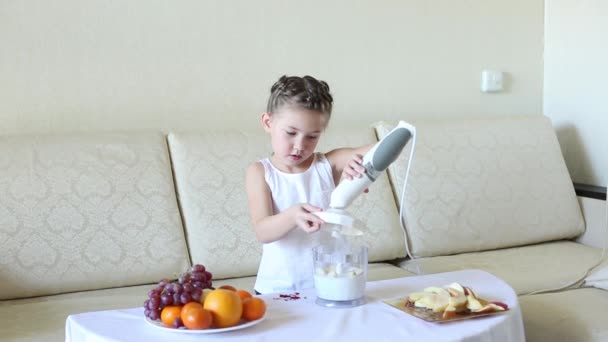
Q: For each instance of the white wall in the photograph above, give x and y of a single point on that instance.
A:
(73, 65)
(575, 91)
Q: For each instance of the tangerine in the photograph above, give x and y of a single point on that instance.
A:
(194, 316)
(170, 313)
(226, 307)
(243, 294)
(228, 287)
(253, 308)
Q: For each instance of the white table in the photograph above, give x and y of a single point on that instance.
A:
(303, 320)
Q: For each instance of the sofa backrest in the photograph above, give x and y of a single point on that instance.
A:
(83, 212)
(481, 184)
(209, 172)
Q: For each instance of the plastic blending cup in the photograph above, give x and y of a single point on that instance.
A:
(340, 274)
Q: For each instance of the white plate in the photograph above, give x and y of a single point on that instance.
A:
(244, 325)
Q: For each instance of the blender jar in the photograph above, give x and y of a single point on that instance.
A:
(340, 274)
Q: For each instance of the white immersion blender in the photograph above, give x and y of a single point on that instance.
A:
(341, 268)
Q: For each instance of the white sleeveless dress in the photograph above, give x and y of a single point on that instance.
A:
(286, 264)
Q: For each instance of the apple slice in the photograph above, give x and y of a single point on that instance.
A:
(428, 301)
(473, 303)
(414, 296)
(489, 308)
(440, 301)
(450, 312)
(434, 289)
(470, 290)
(457, 300)
(434, 298)
(457, 287)
(501, 304)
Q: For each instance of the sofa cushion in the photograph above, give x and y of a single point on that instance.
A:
(598, 277)
(43, 318)
(528, 268)
(481, 184)
(209, 173)
(210, 176)
(384, 271)
(90, 211)
(569, 316)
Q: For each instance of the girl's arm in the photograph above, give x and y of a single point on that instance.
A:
(346, 162)
(268, 226)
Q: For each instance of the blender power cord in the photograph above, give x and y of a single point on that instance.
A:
(402, 218)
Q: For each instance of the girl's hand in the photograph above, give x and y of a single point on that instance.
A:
(305, 219)
(354, 169)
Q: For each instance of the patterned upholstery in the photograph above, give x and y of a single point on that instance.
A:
(484, 184)
(80, 212)
(527, 269)
(209, 173)
(210, 176)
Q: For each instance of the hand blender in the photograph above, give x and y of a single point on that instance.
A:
(340, 267)
(375, 161)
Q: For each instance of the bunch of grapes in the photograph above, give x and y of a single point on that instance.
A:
(187, 288)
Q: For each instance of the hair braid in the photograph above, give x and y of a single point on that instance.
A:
(305, 92)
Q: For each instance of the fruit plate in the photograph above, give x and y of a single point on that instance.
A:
(436, 317)
(242, 325)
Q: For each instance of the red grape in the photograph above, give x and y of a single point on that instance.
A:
(187, 288)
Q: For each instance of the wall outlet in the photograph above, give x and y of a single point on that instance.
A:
(491, 81)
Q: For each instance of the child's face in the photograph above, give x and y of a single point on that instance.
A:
(294, 134)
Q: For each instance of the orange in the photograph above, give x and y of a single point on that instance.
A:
(243, 294)
(194, 316)
(226, 307)
(228, 287)
(169, 314)
(254, 308)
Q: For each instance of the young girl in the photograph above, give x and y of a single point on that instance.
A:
(285, 189)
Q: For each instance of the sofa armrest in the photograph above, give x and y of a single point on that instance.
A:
(594, 212)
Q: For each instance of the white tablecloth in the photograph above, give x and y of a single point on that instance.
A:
(303, 320)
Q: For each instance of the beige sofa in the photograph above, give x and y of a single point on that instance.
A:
(89, 221)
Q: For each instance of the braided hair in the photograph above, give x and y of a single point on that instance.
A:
(303, 92)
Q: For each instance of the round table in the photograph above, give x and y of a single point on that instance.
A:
(297, 318)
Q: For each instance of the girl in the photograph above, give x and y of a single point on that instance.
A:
(285, 189)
